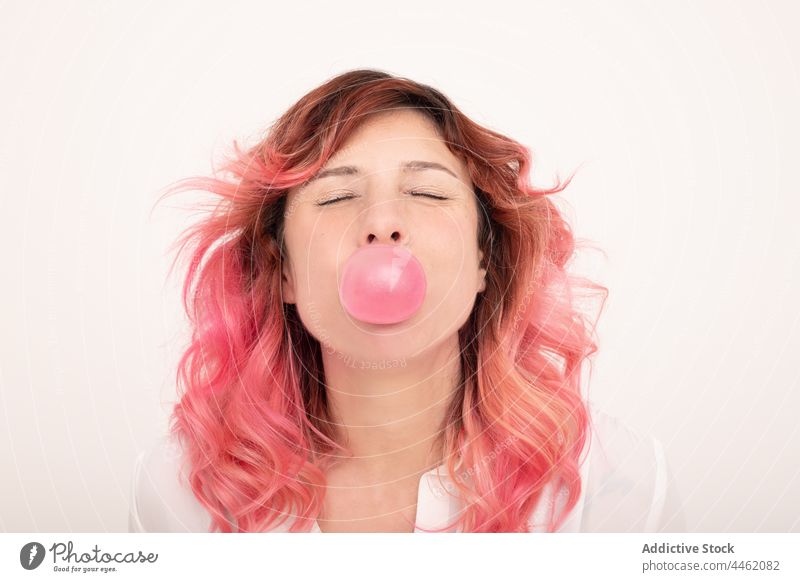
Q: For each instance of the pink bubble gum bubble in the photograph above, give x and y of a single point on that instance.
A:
(382, 284)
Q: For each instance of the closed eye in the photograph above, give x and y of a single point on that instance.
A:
(428, 194)
(412, 192)
(331, 201)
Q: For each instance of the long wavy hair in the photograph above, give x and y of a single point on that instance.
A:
(253, 418)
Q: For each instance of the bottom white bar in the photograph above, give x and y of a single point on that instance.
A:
(283, 556)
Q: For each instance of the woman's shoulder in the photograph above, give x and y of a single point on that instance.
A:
(161, 498)
(628, 485)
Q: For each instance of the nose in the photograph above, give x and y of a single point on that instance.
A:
(383, 223)
(373, 238)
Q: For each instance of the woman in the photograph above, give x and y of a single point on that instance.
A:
(384, 340)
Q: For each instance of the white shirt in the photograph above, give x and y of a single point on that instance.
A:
(627, 487)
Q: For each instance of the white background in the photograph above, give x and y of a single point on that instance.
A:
(684, 116)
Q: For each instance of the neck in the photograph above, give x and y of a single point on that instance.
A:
(391, 417)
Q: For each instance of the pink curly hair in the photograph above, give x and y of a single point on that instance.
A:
(253, 417)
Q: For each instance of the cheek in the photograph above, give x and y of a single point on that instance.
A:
(317, 301)
(449, 229)
(312, 249)
(312, 252)
(453, 267)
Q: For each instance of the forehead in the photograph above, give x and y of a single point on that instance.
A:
(399, 122)
(394, 133)
(388, 141)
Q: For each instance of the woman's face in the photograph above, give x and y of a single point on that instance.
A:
(372, 199)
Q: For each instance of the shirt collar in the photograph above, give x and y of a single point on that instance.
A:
(439, 503)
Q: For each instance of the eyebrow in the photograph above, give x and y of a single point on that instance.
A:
(412, 166)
